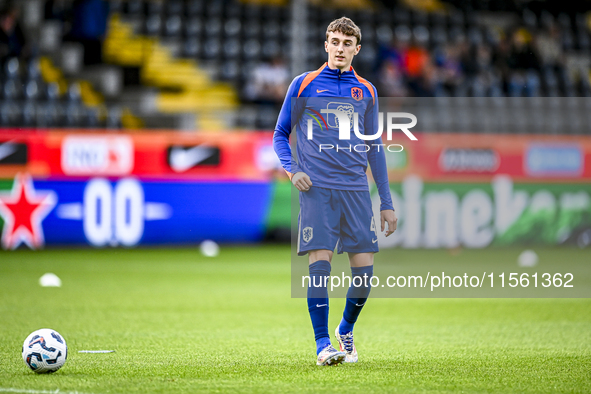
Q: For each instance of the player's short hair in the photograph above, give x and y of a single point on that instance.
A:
(345, 26)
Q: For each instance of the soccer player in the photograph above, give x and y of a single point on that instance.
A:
(335, 205)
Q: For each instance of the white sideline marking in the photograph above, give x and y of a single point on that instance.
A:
(26, 391)
(96, 351)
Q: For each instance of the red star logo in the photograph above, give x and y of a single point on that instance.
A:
(23, 210)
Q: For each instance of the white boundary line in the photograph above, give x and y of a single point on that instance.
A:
(27, 391)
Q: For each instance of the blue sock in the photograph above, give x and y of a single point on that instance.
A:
(318, 303)
(356, 297)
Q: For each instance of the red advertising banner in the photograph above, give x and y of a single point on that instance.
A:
(162, 154)
(441, 157)
(479, 157)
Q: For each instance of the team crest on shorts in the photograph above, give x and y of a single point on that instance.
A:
(307, 234)
(357, 93)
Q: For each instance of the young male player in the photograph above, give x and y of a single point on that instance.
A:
(335, 205)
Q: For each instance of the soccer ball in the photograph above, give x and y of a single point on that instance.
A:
(45, 351)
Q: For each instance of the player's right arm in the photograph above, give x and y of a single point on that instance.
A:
(290, 107)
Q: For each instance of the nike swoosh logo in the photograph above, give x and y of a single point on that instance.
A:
(7, 149)
(181, 159)
(360, 305)
(373, 241)
(320, 91)
(319, 306)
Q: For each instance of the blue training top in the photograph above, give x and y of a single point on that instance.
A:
(331, 168)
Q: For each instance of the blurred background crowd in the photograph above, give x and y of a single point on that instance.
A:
(214, 65)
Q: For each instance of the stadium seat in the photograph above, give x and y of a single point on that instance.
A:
(192, 47)
(384, 34)
(212, 48)
(252, 13)
(214, 9)
(403, 33)
(52, 91)
(457, 18)
(271, 49)
(154, 8)
(33, 70)
(174, 7)
(74, 93)
(233, 10)
(251, 49)
(213, 27)
(74, 115)
(583, 40)
(271, 29)
(32, 90)
(438, 35)
(401, 16)
(232, 27)
(419, 18)
(437, 19)
(193, 27)
(286, 30)
(93, 117)
(12, 89)
(251, 29)
(456, 34)
(12, 68)
(113, 118)
(133, 7)
(194, 7)
(568, 41)
(230, 70)
(29, 114)
(475, 36)
(173, 26)
(6, 113)
(116, 6)
(153, 25)
(421, 34)
(231, 48)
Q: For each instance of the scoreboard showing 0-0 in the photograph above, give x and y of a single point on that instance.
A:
(113, 213)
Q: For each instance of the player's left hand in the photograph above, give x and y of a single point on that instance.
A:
(389, 216)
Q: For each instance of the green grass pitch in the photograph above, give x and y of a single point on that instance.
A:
(181, 322)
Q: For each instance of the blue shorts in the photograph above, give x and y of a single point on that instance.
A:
(336, 218)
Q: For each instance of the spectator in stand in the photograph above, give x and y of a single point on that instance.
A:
(482, 79)
(549, 48)
(419, 70)
(449, 69)
(524, 64)
(389, 70)
(391, 79)
(552, 58)
(488, 80)
(12, 39)
(268, 83)
(89, 24)
(392, 53)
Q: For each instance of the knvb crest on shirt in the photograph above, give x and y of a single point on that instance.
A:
(357, 93)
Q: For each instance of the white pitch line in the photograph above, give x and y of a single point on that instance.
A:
(27, 391)
(96, 351)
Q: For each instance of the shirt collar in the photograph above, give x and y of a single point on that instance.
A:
(336, 71)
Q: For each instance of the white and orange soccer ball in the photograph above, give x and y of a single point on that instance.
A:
(45, 351)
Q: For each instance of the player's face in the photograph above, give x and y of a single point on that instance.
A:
(341, 50)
